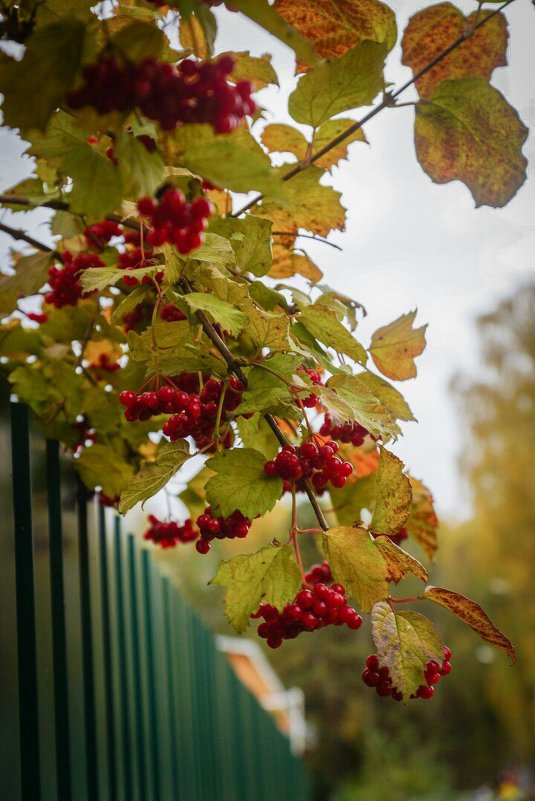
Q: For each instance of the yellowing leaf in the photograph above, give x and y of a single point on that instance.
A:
(388, 395)
(97, 187)
(351, 81)
(331, 130)
(250, 239)
(141, 172)
(280, 138)
(323, 324)
(258, 70)
(468, 132)
(31, 273)
(393, 495)
(335, 26)
(229, 317)
(287, 263)
(422, 523)
(198, 31)
(153, 476)
(394, 347)
(400, 563)
(270, 575)
(349, 501)
(366, 408)
(357, 563)
(101, 466)
(405, 642)
(240, 483)
(36, 85)
(473, 615)
(432, 29)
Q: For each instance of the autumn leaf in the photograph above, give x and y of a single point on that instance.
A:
(335, 26)
(357, 563)
(468, 132)
(473, 615)
(393, 495)
(394, 347)
(153, 476)
(270, 575)
(400, 563)
(431, 30)
(422, 522)
(405, 642)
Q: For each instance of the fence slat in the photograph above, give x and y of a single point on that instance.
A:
(111, 751)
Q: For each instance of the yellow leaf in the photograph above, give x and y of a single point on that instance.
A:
(357, 563)
(422, 523)
(394, 347)
(393, 495)
(400, 563)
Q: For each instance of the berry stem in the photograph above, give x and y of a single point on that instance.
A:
(403, 600)
(294, 536)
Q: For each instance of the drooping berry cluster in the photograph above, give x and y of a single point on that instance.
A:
(168, 534)
(312, 609)
(311, 400)
(321, 465)
(375, 675)
(99, 235)
(189, 92)
(198, 417)
(66, 289)
(173, 219)
(319, 574)
(352, 433)
(211, 527)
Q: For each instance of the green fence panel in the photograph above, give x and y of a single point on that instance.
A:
(111, 687)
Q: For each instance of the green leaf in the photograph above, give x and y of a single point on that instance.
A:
(267, 17)
(394, 347)
(400, 563)
(97, 187)
(392, 400)
(215, 250)
(228, 316)
(255, 433)
(405, 642)
(269, 576)
(153, 476)
(129, 303)
(357, 563)
(66, 225)
(250, 240)
(194, 496)
(240, 483)
(349, 501)
(98, 278)
(473, 615)
(468, 132)
(393, 495)
(325, 326)
(62, 134)
(366, 408)
(31, 273)
(101, 466)
(36, 85)
(348, 82)
(137, 40)
(141, 172)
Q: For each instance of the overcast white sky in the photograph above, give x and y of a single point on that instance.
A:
(409, 243)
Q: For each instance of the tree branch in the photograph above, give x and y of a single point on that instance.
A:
(16, 233)
(385, 103)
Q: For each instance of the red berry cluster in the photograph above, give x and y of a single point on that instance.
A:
(108, 500)
(175, 220)
(312, 609)
(165, 400)
(98, 235)
(210, 527)
(66, 288)
(352, 433)
(37, 317)
(311, 400)
(171, 313)
(134, 259)
(168, 534)
(189, 92)
(378, 676)
(197, 418)
(298, 463)
(319, 574)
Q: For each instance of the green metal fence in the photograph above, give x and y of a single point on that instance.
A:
(111, 688)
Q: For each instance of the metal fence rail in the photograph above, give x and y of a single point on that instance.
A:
(111, 688)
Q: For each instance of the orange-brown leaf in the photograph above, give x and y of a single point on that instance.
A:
(422, 523)
(431, 30)
(335, 26)
(473, 615)
(399, 562)
(394, 347)
(287, 263)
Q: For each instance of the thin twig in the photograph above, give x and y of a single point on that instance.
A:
(16, 233)
(306, 236)
(385, 103)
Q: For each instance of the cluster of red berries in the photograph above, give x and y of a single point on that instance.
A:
(299, 463)
(311, 400)
(167, 534)
(198, 417)
(378, 676)
(66, 289)
(352, 433)
(319, 574)
(312, 609)
(189, 92)
(173, 219)
(171, 313)
(210, 527)
(99, 235)
(165, 400)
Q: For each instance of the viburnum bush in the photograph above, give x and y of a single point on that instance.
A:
(162, 324)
